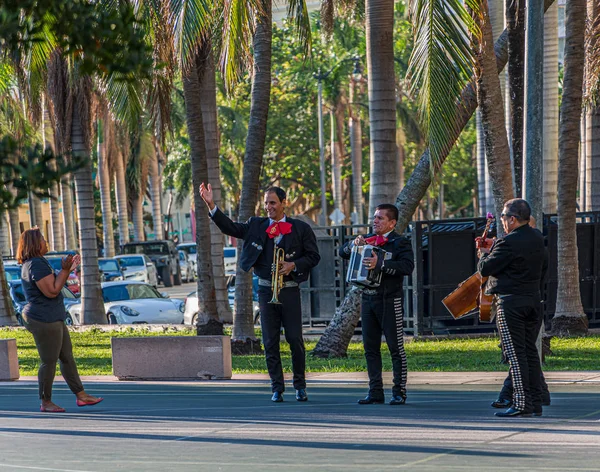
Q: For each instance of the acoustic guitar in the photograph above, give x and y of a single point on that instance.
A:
(470, 293)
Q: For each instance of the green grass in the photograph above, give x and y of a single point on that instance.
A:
(93, 355)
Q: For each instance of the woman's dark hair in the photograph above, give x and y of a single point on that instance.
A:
(30, 245)
(277, 191)
(391, 210)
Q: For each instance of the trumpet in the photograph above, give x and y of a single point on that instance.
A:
(276, 275)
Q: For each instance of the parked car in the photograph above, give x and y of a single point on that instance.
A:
(139, 268)
(190, 250)
(13, 272)
(230, 259)
(127, 302)
(190, 314)
(163, 254)
(110, 270)
(73, 280)
(187, 269)
(15, 288)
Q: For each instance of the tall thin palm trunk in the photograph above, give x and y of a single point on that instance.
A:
(57, 241)
(104, 184)
(491, 103)
(121, 197)
(592, 115)
(66, 191)
(4, 233)
(550, 109)
(355, 126)
(155, 193)
(208, 98)
(15, 230)
(92, 310)
(243, 336)
(379, 15)
(137, 217)
(569, 317)
(336, 163)
(208, 317)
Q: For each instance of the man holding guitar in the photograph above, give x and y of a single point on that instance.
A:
(515, 265)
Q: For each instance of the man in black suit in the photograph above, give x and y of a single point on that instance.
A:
(261, 236)
(382, 307)
(515, 266)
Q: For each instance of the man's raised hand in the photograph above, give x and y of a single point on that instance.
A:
(207, 195)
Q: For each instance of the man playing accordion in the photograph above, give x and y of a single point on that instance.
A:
(382, 306)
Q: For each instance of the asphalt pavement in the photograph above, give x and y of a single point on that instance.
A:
(446, 425)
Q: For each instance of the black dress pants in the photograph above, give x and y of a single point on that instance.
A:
(383, 315)
(272, 317)
(519, 320)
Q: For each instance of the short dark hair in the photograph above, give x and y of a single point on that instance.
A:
(392, 210)
(277, 191)
(518, 208)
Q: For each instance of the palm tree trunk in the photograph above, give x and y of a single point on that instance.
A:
(105, 203)
(4, 233)
(416, 188)
(155, 194)
(569, 317)
(15, 230)
(382, 101)
(66, 191)
(7, 312)
(550, 109)
(137, 216)
(57, 241)
(491, 103)
(208, 317)
(209, 117)
(39, 218)
(592, 115)
(243, 336)
(354, 125)
(515, 26)
(121, 197)
(92, 305)
(336, 163)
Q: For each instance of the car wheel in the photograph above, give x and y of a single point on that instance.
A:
(195, 319)
(69, 320)
(112, 319)
(167, 277)
(177, 277)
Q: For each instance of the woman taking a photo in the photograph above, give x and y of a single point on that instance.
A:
(44, 317)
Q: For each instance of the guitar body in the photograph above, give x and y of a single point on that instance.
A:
(484, 301)
(464, 299)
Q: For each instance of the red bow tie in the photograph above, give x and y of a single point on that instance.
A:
(376, 240)
(279, 227)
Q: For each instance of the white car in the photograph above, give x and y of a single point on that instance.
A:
(138, 267)
(136, 302)
(188, 273)
(190, 250)
(190, 314)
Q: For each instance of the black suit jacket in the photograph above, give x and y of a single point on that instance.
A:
(517, 263)
(300, 245)
(400, 264)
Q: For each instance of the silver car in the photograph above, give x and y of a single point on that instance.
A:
(188, 273)
(138, 267)
(190, 313)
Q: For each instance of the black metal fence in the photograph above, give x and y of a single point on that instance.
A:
(445, 255)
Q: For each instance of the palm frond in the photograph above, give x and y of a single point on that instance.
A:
(191, 20)
(238, 21)
(125, 100)
(298, 15)
(440, 66)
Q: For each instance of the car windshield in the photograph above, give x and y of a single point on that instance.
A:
(12, 273)
(55, 262)
(191, 249)
(156, 248)
(131, 261)
(229, 252)
(66, 293)
(121, 292)
(109, 265)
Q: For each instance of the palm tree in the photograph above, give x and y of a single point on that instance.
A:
(155, 177)
(569, 317)
(104, 185)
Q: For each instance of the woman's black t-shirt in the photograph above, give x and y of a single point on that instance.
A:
(39, 307)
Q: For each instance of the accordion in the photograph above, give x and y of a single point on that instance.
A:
(357, 272)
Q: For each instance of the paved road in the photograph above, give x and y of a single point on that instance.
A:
(179, 291)
(232, 426)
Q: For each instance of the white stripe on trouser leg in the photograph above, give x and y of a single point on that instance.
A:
(515, 369)
(399, 313)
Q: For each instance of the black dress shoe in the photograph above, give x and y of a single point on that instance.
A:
(546, 402)
(301, 395)
(277, 397)
(537, 411)
(369, 400)
(512, 412)
(502, 403)
(398, 399)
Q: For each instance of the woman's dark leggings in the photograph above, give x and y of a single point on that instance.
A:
(53, 344)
